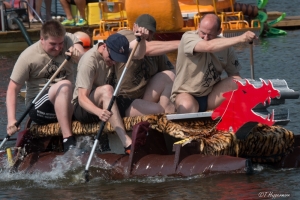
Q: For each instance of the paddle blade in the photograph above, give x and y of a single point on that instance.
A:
(86, 176)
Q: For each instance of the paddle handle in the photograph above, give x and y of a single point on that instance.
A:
(111, 103)
(138, 39)
(251, 60)
(4, 140)
(86, 172)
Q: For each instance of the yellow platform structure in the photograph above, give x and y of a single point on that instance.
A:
(167, 13)
(182, 15)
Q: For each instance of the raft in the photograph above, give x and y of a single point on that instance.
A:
(175, 145)
(263, 144)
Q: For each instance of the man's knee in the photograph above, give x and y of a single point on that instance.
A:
(65, 86)
(167, 75)
(105, 90)
(170, 74)
(185, 103)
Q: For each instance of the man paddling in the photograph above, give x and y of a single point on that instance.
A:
(92, 94)
(202, 57)
(146, 89)
(34, 67)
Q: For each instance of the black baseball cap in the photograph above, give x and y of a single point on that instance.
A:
(118, 46)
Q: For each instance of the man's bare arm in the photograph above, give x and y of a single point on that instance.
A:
(156, 48)
(219, 44)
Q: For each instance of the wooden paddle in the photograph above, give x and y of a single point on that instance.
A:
(251, 60)
(10, 139)
(17, 124)
(86, 172)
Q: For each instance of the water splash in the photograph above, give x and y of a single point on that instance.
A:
(66, 169)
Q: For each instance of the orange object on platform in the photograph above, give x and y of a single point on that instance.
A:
(191, 6)
(166, 13)
(84, 37)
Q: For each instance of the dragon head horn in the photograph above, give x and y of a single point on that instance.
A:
(248, 84)
(269, 84)
(264, 82)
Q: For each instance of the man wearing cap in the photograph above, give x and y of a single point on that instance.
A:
(147, 86)
(92, 94)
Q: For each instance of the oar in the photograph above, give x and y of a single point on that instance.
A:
(251, 60)
(109, 108)
(17, 124)
(10, 139)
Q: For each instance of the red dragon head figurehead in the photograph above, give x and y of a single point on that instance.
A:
(236, 109)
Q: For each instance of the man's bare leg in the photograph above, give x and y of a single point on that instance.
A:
(186, 103)
(215, 98)
(60, 95)
(81, 4)
(102, 97)
(48, 9)
(142, 107)
(159, 90)
(66, 6)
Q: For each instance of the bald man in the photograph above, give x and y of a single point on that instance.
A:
(202, 57)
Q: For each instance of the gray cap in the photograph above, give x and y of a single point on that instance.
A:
(146, 21)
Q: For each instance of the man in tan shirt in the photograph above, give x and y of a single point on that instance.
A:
(146, 89)
(202, 57)
(34, 67)
(92, 94)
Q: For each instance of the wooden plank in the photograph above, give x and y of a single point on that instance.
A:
(289, 21)
(273, 15)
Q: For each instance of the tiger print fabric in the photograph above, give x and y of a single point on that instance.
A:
(263, 144)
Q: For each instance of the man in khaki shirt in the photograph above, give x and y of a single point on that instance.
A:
(34, 67)
(202, 57)
(92, 94)
(147, 86)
